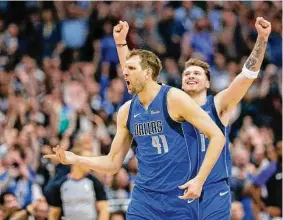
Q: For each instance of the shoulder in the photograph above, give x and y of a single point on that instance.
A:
(178, 103)
(176, 95)
(93, 178)
(124, 112)
(59, 182)
(125, 108)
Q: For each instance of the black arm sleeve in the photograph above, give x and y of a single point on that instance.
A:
(99, 188)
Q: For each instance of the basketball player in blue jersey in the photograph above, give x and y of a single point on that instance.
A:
(153, 119)
(215, 201)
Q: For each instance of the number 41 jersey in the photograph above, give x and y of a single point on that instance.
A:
(163, 157)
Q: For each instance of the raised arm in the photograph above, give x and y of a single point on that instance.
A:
(120, 32)
(182, 107)
(110, 163)
(230, 97)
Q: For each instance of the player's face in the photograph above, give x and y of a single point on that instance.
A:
(134, 76)
(194, 80)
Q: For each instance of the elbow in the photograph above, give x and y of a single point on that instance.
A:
(114, 165)
(220, 138)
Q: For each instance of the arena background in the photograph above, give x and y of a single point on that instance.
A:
(60, 83)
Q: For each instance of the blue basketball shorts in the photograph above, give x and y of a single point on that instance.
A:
(214, 204)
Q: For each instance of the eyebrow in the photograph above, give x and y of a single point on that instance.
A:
(188, 71)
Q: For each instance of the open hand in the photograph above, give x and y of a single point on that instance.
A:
(62, 156)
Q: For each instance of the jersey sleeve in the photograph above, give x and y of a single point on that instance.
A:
(264, 175)
(98, 188)
(55, 193)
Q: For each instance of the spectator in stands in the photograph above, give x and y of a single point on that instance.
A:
(10, 205)
(47, 46)
(266, 188)
(50, 33)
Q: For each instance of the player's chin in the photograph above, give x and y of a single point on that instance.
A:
(189, 88)
(130, 91)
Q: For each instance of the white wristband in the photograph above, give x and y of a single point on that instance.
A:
(249, 74)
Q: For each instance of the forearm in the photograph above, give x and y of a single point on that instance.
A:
(255, 193)
(230, 97)
(122, 53)
(255, 59)
(214, 149)
(103, 164)
(34, 163)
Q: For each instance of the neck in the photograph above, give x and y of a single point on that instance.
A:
(200, 98)
(148, 93)
(77, 173)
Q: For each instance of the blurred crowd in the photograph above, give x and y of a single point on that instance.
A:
(61, 83)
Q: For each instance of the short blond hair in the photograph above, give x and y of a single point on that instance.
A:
(196, 62)
(148, 60)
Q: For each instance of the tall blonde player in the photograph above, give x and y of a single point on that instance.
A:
(215, 201)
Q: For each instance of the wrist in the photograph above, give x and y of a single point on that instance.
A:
(121, 44)
(200, 179)
(78, 160)
(248, 73)
(263, 38)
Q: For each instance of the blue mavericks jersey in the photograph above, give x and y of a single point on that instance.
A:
(222, 168)
(163, 157)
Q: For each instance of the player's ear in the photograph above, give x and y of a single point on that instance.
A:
(207, 84)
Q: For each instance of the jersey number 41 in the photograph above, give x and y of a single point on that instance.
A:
(160, 142)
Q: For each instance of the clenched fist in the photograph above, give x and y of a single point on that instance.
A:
(120, 32)
(263, 27)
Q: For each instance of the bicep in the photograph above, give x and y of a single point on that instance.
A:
(123, 138)
(121, 144)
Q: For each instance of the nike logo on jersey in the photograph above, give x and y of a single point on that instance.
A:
(136, 115)
(155, 112)
(223, 193)
(190, 200)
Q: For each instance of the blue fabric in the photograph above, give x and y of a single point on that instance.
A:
(265, 174)
(162, 154)
(74, 32)
(159, 206)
